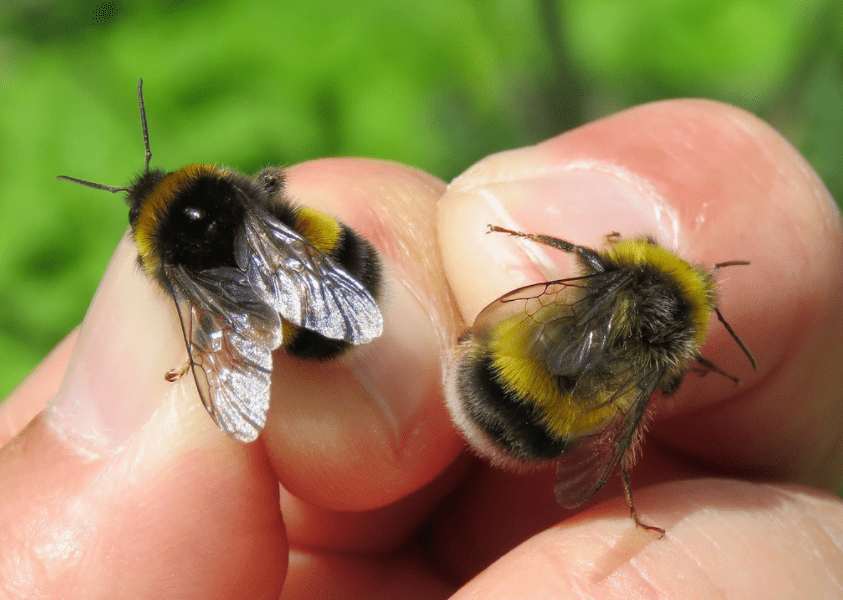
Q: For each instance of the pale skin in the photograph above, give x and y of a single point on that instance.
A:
(116, 483)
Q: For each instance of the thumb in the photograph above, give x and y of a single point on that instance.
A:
(122, 486)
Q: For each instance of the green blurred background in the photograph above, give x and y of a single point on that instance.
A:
(438, 85)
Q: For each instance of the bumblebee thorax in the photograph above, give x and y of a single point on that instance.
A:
(666, 302)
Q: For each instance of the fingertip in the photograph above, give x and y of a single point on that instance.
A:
(712, 183)
(367, 429)
(129, 339)
(127, 474)
(702, 177)
(752, 540)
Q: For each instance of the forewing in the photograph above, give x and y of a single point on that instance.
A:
(568, 322)
(304, 285)
(520, 303)
(230, 336)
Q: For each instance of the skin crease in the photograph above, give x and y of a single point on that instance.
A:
(159, 490)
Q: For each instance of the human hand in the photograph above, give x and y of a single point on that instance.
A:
(123, 487)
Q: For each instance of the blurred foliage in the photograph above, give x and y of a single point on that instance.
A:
(436, 84)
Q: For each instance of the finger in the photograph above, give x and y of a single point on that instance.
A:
(714, 184)
(727, 539)
(314, 576)
(381, 530)
(123, 487)
(366, 430)
(496, 510)
(31, 396)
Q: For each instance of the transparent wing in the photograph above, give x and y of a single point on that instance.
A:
(230, 335)
(585, 469)
(567, 323)
(304, 285)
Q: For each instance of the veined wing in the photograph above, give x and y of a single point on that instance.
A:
(304, 285)
(568, 323)
(586, 467)
(230, 335)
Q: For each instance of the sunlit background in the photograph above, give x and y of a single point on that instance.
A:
(436, 84)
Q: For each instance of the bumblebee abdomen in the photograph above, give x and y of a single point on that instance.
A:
(354, 254)
(571, 400)
(360, 259)
(528, 413)
(514, 423)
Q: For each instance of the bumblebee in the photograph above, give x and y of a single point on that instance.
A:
(249, 272)
(562, 371)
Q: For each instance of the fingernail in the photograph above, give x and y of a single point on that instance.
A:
(129, 339)
(579, 202)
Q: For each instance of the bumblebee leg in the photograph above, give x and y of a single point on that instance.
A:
(541, 239)
(589, 256)
(174, 375)
(731, 331)
(627, 494)
(709, 366)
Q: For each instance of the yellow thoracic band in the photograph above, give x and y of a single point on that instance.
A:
(695, 283)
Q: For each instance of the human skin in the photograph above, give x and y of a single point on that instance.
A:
(115, 483)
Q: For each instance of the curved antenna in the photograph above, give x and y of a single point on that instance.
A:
(115, 188)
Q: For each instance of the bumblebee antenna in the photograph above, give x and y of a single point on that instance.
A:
(115, 188)
(91, 184)
(143, 124)
(738, 341)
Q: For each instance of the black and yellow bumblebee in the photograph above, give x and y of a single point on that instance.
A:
(562, 371)
(249, 271)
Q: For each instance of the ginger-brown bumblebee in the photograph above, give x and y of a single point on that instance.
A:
(562, 371)
(249, 271)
